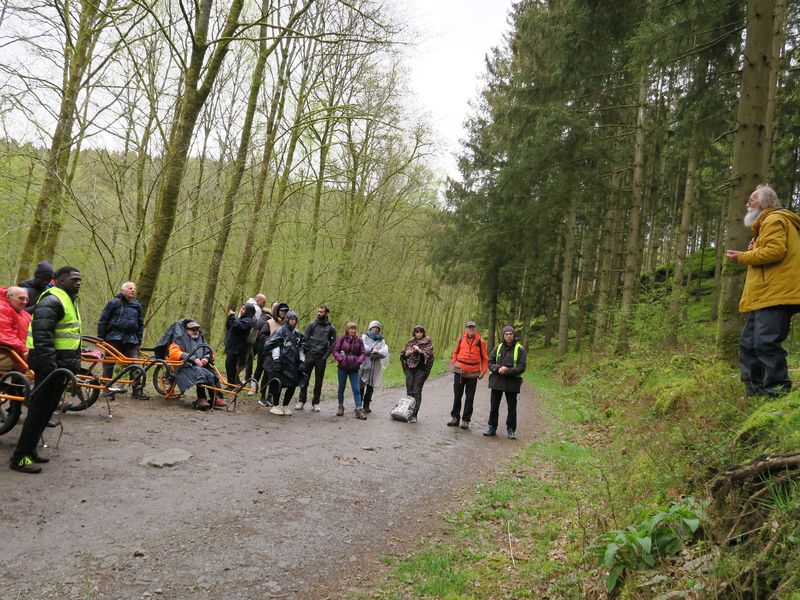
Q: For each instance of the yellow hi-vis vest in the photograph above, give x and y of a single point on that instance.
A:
(68, 329)
(517, 346)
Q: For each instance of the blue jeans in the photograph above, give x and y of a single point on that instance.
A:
(354, 385)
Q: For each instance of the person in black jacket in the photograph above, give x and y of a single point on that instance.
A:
(237, 350)
(287, 350)
(506, 365)
(320, 336)
(54, 341)
(121, 325)
(42, 280)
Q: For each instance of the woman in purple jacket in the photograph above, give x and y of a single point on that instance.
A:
(349, 353)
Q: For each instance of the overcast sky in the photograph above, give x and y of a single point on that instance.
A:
(447, 66)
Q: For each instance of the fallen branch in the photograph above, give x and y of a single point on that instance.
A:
(722, 484)
(508, 527)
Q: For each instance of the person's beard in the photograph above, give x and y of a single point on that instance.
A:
(752, 216)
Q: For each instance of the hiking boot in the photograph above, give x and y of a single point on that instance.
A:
(276, 410)
(299, 405)
(25, 465)
(220, 403)
(340, 411)
(360, 414)
(140, 396)
(315, 407)
(412, 419)
(464, 424)
(511, 434)
(490, 431)
(263, 401)
(366, 408)
(41, 460)
(251, 393)
(51, 423)
(201, 404)
(453, 422)
(286, 410)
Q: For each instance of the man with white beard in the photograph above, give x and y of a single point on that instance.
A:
(771, 293)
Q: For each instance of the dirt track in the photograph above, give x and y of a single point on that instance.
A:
(267, 507)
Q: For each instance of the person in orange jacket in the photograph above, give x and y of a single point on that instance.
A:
(469, 362)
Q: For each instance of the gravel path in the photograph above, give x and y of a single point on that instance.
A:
(266, 507)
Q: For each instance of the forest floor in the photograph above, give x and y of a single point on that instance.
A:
(266, 507)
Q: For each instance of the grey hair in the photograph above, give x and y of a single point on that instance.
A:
(122, 287)
(767, 197)
(14, 291)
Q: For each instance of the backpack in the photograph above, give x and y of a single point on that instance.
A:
(252, 335)
(404, 409)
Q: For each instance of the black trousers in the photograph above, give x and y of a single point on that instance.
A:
(415, 380)
(366, 394)
(131, 351)
(762, 359)
(317, 364)
(463, 386)
(232, 368)
(494, 411)
(44, 400)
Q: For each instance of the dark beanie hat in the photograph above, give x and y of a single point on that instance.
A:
(43, 269)
(508, 328)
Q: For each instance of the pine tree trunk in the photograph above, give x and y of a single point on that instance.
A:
(633, 255)
(566, 277)
(748, 150)
(779, 31)
(720, 255)
(605, 275)
(682, 242)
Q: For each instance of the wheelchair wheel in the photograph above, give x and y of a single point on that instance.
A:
(163, 380)
(76, 398)
(10, 411)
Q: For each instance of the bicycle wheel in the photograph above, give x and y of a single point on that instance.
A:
(163, 380)
(10, 410)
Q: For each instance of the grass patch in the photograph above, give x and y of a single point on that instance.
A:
(628, 438)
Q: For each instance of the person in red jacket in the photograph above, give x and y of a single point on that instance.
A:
(469, 362)
(14, 321)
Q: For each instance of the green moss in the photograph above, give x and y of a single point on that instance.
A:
(774, 426)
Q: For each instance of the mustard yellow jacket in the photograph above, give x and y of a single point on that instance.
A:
(773, 265)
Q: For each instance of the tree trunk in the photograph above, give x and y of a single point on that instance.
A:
(682, 242)
(235, 175)
(720, 256)
(779, 29)
(610, 223)
(195, 93)
(566, 277)
(259, 196)
(77, 59)
(748, 149)
(633, 256)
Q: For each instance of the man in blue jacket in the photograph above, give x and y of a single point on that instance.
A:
(121, 325)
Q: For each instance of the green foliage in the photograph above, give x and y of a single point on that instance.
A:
(660, 533)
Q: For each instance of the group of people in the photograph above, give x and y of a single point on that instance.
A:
(40, 322)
